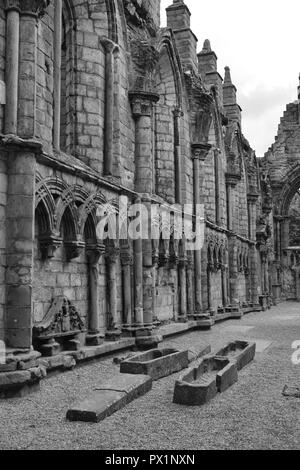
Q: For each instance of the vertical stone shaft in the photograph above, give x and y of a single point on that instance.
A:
(252, 200)
(12, 70)
(182, 289)
(190, 285)
(126, 260)
(142, 104)
(217, 189)
(234, 295)
(109, 47)
(94, 254)
(138, 277)
(199, 152)
(177, 152)
(94, 298)
(20, 248)
(224, 286)
(112, 288)
(27, 75)
(197, 254)
(57, 72)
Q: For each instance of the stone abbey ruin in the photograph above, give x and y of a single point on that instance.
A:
(99, 102)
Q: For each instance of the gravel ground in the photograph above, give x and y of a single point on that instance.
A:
(252, 414)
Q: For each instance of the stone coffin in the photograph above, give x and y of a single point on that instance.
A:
(109, 398)
(243, 352)
(201, 384)
(156, 363)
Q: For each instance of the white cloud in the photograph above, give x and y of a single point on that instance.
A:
(259, 40)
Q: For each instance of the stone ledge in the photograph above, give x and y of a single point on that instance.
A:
(94, 352)
(21, 382)
(109, 398)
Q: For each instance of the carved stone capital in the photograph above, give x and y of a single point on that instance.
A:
(142, 102)
(109, 45)
(49, 243)
(74, 249)
(252, 198)
(232, 179)
(94, 252)
(200, 151)
(126, 258)
(112, 254)
(12, 5)
(34, 8)
(178, 113)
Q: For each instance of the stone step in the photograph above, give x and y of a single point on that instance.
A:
(110, 397)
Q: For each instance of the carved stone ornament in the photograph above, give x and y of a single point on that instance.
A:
(61, 318)
(28, 7)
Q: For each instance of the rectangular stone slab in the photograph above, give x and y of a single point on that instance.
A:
(109, 398)
(156, 363)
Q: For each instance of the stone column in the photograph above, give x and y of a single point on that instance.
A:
(199, 153)
(110, 47)
(57, 72)
(29, 14)
(94, 253)
(285, 232)
(114, 332)
(20, 243)
(177, 150)
(182, 289)
(12, 65)
(252, 201)
(142, 105)
(224, 285)
(231, 182)
(233, 271)
(138, 279)
(127, 262)
(155, 262)
(190, 284)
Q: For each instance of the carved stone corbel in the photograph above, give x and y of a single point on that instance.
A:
(49, 243)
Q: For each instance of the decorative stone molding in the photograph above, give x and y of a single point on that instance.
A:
(137, 14)
(34, 8)
(73, 249)
(232, 179)
(200, 151)
(95, 251)
(49, 244)
(252, 198)
(109, 45)
(61, 318)
(142, 103)
(126, 258)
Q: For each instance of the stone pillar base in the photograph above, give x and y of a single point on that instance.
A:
(20, 374)
(147, 339)
(94, 339)
(203, 321)
(113, 335)
(235, 311)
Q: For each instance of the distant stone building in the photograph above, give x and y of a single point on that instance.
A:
(281, 165)
(99, 102)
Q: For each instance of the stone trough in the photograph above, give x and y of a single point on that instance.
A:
(243, 352)
(156, 363)
(201, 384)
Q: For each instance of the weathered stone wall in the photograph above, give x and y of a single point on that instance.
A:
(3, 200)
(2, 63)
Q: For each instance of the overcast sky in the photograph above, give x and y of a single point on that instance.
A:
(260, 41)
